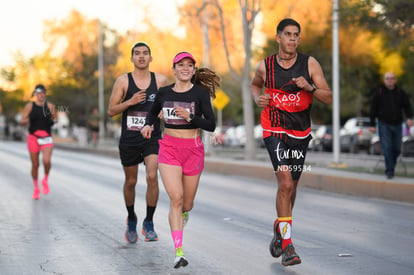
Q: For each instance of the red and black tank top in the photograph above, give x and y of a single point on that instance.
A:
(288, 114)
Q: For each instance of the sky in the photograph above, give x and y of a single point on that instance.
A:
(21, 21)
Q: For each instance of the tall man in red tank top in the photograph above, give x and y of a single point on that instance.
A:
(290, 80)
(133, 95)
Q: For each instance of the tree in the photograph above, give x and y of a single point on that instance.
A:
(248, 11)
(394, 21)
(14, 102)
(75, 89)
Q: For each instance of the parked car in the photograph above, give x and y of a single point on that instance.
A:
(375, 148)
(229, 137)
(258, 136)
(322, 140)
(219, 136)
(17, 132)
(241, 137)
(407, 149)
(355, 135)
(314, 128)
(235, 136)
(3, 127)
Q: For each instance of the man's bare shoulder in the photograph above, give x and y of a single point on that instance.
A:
(122, 77)
(122, 80)
(312, 61)
(261, 69)
(161, 79)
(260, 65)
(314, 66)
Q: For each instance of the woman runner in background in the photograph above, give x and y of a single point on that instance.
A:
(40, 116)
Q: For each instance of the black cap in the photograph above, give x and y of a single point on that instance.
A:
(40, 88)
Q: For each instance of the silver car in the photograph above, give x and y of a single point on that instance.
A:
(355, 135)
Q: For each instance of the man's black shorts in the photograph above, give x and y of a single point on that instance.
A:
(133, 154)
(285, 157)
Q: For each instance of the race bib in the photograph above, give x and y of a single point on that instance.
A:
(169, 114)
(135, 121)
(44, 140)
(171, 117)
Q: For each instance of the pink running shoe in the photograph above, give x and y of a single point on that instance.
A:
(45, 189)
(36, 193)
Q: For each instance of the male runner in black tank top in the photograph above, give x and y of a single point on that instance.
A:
(133, 95)
(291, 80)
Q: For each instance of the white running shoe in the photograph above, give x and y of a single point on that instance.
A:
(180, 260)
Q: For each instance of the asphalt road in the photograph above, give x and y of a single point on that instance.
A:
(79, 227)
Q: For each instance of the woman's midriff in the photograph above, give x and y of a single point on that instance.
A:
(182, 133)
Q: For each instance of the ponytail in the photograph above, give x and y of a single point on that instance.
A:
(208, 79)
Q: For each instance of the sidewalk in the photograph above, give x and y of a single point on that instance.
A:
(319, 175)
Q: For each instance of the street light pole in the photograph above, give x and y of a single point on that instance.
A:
(100, 83)
(335, 77)
(206, 59)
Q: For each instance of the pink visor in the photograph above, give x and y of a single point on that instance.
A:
(183, 55)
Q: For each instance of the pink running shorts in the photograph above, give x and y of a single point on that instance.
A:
(33, 142)
(185, 152)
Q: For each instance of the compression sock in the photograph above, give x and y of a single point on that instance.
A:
(177, 238)
(285, 229)
(150, 213)
(45, 186)
(36, 191)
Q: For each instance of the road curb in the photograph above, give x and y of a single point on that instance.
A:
(321, 179)
(326, 179)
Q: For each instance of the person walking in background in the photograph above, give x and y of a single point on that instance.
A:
(291, 81)
(133, 95)
(388, 104)
(186, 107)
(93, 123)
(40, 116)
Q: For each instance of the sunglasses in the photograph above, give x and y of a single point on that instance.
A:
(39, 91)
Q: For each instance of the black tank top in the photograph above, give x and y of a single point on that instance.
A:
(133, 118)
(40, 118)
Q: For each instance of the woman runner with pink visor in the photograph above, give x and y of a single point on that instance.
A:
(186, 108)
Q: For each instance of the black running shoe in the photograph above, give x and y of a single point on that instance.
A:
(275, 246)
(289, 256)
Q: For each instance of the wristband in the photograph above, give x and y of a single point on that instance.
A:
(313, 90)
